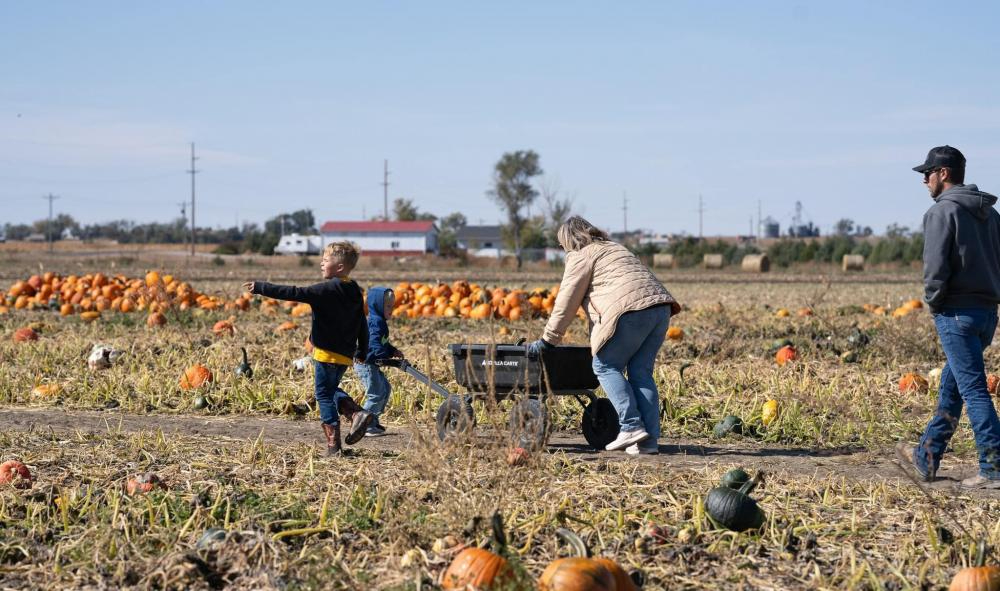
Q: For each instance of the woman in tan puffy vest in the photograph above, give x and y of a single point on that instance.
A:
(629, 311)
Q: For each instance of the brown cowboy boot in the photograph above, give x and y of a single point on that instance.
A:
(359, 424)
(347, 407)
(332, 433)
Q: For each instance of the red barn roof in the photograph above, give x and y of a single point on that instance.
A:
(415, 227)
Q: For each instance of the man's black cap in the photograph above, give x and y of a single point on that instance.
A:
(942, 157)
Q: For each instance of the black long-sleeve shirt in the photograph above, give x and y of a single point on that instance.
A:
(338, 316)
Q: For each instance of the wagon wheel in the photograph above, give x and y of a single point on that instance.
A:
(600, 423)
(455, 417)
(529, 424)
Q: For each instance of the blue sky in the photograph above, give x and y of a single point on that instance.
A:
(296, 104)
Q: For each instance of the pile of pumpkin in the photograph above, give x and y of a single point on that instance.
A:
(462, 299)
(903, 310)
(91, 294)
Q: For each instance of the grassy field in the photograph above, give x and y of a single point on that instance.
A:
(389, 518)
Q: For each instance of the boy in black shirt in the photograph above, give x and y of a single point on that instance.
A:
(339, 334)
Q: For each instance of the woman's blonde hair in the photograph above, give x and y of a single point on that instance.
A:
(577, 233)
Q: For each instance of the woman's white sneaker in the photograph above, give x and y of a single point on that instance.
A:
(635, 450)
(627, 438)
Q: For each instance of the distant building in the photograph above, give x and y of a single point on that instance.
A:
(35, 237)
(661, 241)
(299, 244)
(481, 241)
(385, 238)
(770, 228)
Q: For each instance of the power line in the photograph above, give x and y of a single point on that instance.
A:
(385, 191)
(48, 227)
(193, 171)
(625, 211)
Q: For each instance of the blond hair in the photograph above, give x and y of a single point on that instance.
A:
(577, 233)
(345, 252)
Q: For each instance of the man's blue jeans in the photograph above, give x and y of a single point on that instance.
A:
(327, 380)
(632, 350)
(964, 333)
(377, 387)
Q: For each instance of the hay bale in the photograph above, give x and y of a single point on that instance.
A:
(712, 261)
(854, 262)
(663, 261)
(756, 263)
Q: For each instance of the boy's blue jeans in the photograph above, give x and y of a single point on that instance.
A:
(964, 333)
(632, 350)
(327, 379)
(377, 387)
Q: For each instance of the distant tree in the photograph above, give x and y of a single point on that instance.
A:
(59, 223)
(843, 227)
(897, 231)
(448, 235)
(17, 231)
(512, 190)
(405, 211)
(556, 210)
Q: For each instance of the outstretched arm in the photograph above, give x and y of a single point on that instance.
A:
(291, 293)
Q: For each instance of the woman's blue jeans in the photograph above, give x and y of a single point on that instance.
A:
(964, 333)
(327, 380)
(632, 351)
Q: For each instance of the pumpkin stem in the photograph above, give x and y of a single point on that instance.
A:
(499, 538)
(244, 349)
(751, 484)
(684, 366)
(575, 541)
(981, 551)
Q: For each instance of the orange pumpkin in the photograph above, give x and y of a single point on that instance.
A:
(195, 377)
(913, 382)
(803, 312)
(992, 381)
(978, 577)
(785, 354)
(577, 573)
(517, 456)
(286, 325)
(156, 319)
(24, 335)
(90, 315)
(15, 473)
(152, 279)
(477, 568)
(143, 483)
(675, 333)
(223, 328)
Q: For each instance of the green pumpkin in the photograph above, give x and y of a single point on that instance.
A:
(243, 369)
(735, 478)
(200, 402)
(729, 424)
(779, 343)
(849, 357)
(734, 509)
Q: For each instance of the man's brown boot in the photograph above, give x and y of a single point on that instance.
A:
(359, 424)
(332, 433)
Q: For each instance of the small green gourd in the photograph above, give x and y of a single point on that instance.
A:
(729, 424)
(735, 478)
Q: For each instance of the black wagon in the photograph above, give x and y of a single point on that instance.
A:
(507, 372)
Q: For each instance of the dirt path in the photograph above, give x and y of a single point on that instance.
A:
(851, 463)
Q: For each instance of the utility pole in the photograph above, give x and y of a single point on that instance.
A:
(193, 171)
(183, 206)
(385, 191)
(760, 221)
(48, 227)
(625, 211)
(701, 216)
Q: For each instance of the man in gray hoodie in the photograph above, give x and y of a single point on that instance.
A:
(962, 290)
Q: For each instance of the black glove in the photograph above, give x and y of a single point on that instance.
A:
(538, 348)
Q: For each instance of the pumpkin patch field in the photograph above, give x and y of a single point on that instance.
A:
(160, 433)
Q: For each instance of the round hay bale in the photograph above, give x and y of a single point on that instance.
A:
(756, 263)
(854, 262)
(712, 261)
(663, 261)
